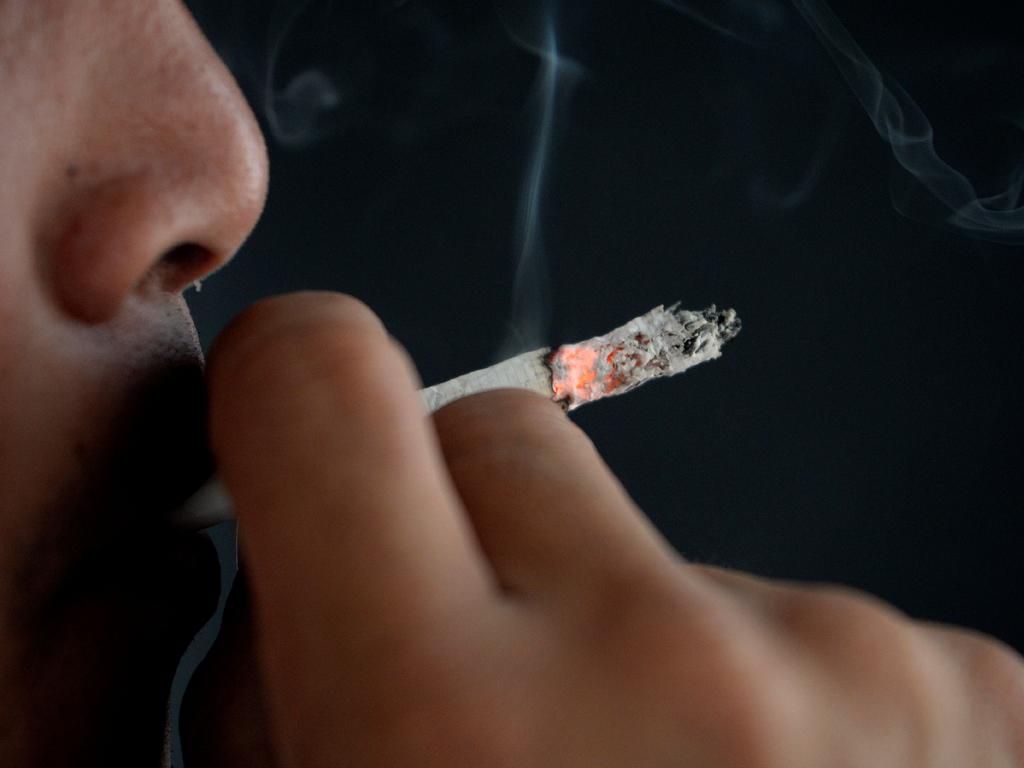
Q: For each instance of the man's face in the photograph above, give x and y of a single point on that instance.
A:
(131, 167)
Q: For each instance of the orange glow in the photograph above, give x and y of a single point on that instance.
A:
(584, 373)
(577, 363)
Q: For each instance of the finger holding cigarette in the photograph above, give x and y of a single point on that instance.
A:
(369, 527)
(320, 437)
(660, 343)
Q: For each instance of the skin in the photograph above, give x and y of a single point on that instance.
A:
(470, 589)
(132, 166)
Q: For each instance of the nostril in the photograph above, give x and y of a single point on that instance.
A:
(187, 256)
(183, 265)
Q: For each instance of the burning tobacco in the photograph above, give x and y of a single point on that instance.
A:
(661, 343)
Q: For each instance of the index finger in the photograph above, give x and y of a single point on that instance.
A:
(348, 517)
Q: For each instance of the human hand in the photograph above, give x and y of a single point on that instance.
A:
(479, 590)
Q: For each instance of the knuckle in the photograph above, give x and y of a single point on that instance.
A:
(994, 668)
(851, 628)
(990, 676)
(714, 669)
(877, 658)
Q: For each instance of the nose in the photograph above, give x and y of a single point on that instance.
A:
(164, 169)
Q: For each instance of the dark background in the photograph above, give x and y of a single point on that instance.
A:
(865, 426)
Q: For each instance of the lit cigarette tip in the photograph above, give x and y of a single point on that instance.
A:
(661, 343)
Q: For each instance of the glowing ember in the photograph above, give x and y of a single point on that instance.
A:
(577, 373)
(661, 343)
(582, 373)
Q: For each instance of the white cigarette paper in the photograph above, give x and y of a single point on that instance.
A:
(661, 343)
(526, 371)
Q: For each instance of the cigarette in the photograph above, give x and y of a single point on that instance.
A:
(655, 345)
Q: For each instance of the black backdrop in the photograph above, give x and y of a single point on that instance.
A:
(865, 426)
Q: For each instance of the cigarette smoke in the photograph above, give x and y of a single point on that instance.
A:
(758, 24)
(771, 194)
(405, 71)
(931, 189)
(902, 124)
(300, 101)
(556, 75)
(295, 111)
(322, 64)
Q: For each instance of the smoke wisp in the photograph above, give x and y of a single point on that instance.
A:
(531, 300)
(933, 190)
(295, 110)
(902, 124)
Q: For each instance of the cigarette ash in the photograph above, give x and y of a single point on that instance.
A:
(661, 343)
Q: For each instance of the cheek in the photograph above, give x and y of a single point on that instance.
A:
(30, 401)
(19, 290)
